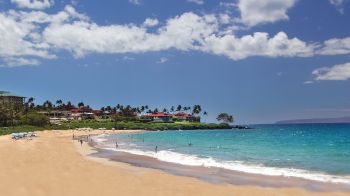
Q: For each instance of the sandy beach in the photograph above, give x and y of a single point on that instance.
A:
(54, 164)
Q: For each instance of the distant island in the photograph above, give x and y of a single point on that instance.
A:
(316, 120)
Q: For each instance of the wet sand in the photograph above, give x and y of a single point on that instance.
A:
(54, 165)
(219, 175)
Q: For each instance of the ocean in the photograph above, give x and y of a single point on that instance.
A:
(317, 152)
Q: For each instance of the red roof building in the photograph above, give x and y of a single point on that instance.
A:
(160, 116)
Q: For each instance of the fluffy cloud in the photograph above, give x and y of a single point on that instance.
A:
(149, 22)
(82, 37)
(185, 32)
(258, 44)
(199, 2)
(19, 38)
(17, 62)
(338, 4)
(33, 4)
(335, 47)
(34, 35)
(264, 11)
(337, 72)
(163, 60)
(136, 2)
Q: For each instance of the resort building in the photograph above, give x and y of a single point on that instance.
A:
(56, 117)
(182, 116)
(159, 117)
(82, 113)
(12, 99)
(165, 117)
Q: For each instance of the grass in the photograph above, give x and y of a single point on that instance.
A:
(117, 125)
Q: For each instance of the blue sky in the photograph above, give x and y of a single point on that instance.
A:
(260, 61)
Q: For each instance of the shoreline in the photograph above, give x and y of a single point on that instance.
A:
(53, 164)
(215, 175)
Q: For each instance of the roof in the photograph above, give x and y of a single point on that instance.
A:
(183, 114)
(8, 94)
(159, 114)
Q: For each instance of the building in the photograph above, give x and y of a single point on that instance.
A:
(56, 116)
(182, 116)
(11, 99)
(82, 113)
(159, 117)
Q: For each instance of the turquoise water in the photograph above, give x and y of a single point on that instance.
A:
(316, 151)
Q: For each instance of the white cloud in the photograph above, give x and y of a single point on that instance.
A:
(150, 22)
(335, 46)
(36, 35)
(308, 82)
(199, 2)
(227, 4)
(17, 62)
(81, 37)
(338, 5)
(264, 11)
(136, 2)
(18, 38)
(34, 4)
(337, 72)
(258, 44)
(127, 58)
(163, 60)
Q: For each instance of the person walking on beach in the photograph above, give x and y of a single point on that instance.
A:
(73, 136)
(156, 149)
(81, 142)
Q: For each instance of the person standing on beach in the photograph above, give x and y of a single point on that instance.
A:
(81, 142)
(116, 144)
(73, 136)
(156, 149)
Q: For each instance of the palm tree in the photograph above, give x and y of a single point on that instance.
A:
(47, 104)
(205, 113)
(69, 105)
(179, 107)
(196, 109)
(59, 103)
(81, 104)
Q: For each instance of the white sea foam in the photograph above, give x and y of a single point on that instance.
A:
(240, 166)
(99, 139)
(191, 160)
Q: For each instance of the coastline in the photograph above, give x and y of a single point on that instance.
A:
(211, 173)
(54, 164)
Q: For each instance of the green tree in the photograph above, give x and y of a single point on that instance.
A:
(179, 108)
(224, 117)
(197, 109)
(35, 119)
(205, 113)
(81, 104)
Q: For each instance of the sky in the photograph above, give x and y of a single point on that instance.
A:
(261, 61)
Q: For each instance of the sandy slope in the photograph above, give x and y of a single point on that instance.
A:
(53, 164)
